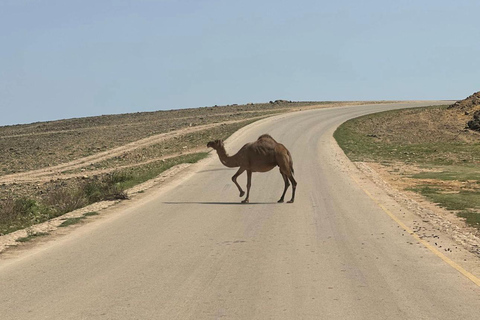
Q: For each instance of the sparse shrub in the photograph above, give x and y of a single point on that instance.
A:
(64, 200)
(7, 209)
(109, 188)
(21, 212)
(117, 177)
(32, 210)
(93, 191)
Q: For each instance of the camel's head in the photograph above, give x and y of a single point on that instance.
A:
(217, 144)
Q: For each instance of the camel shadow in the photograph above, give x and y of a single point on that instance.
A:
(217, 203)
(211, 170)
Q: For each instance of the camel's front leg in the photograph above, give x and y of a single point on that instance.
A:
(234, 179)
(249, 184)
(287, 184)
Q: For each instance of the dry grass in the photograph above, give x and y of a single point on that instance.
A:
(419, 125)
(423, 136)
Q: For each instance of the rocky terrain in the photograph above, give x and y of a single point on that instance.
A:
(470, 106)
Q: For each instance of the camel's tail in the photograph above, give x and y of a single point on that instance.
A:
(290, 161)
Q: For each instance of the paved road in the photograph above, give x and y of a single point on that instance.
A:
(193, 252)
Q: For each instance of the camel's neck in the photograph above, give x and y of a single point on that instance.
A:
(228, 161)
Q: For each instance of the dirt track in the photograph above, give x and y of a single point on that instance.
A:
(55, 172)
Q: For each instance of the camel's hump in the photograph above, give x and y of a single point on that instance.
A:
(265, 136)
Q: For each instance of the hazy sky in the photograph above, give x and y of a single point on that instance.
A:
(64, 59)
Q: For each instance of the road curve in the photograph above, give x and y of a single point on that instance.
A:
(191, 251)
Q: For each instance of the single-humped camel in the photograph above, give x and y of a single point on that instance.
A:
(260, 156)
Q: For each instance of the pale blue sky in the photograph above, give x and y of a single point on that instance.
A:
(64, 59)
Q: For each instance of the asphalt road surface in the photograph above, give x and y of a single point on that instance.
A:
(192, 251)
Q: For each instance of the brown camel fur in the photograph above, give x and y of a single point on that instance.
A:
(260, 156)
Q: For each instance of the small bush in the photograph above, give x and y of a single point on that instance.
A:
(65, 200)
(108, 188)
(32, 211)
(92, 191)
(117, 177)
(19, 213)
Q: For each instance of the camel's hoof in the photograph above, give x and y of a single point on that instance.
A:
(291, 201)
(242, 193)
(245, 201)
(280, 201)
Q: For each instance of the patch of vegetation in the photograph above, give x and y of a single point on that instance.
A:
(90, 214)
(450, 173)
(428, 139)
(412, 136)
(21, 213)
(107, 188)
(458, 201)
(71, 221)
(31, 236)
(472, 217)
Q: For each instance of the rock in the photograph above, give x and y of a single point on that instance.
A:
(475, 123)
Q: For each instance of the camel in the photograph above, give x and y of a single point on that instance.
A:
(260, 156)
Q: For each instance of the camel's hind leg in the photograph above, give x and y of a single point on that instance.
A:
(234, 179)
(287, 184)
(285, 163)
(294, 186)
